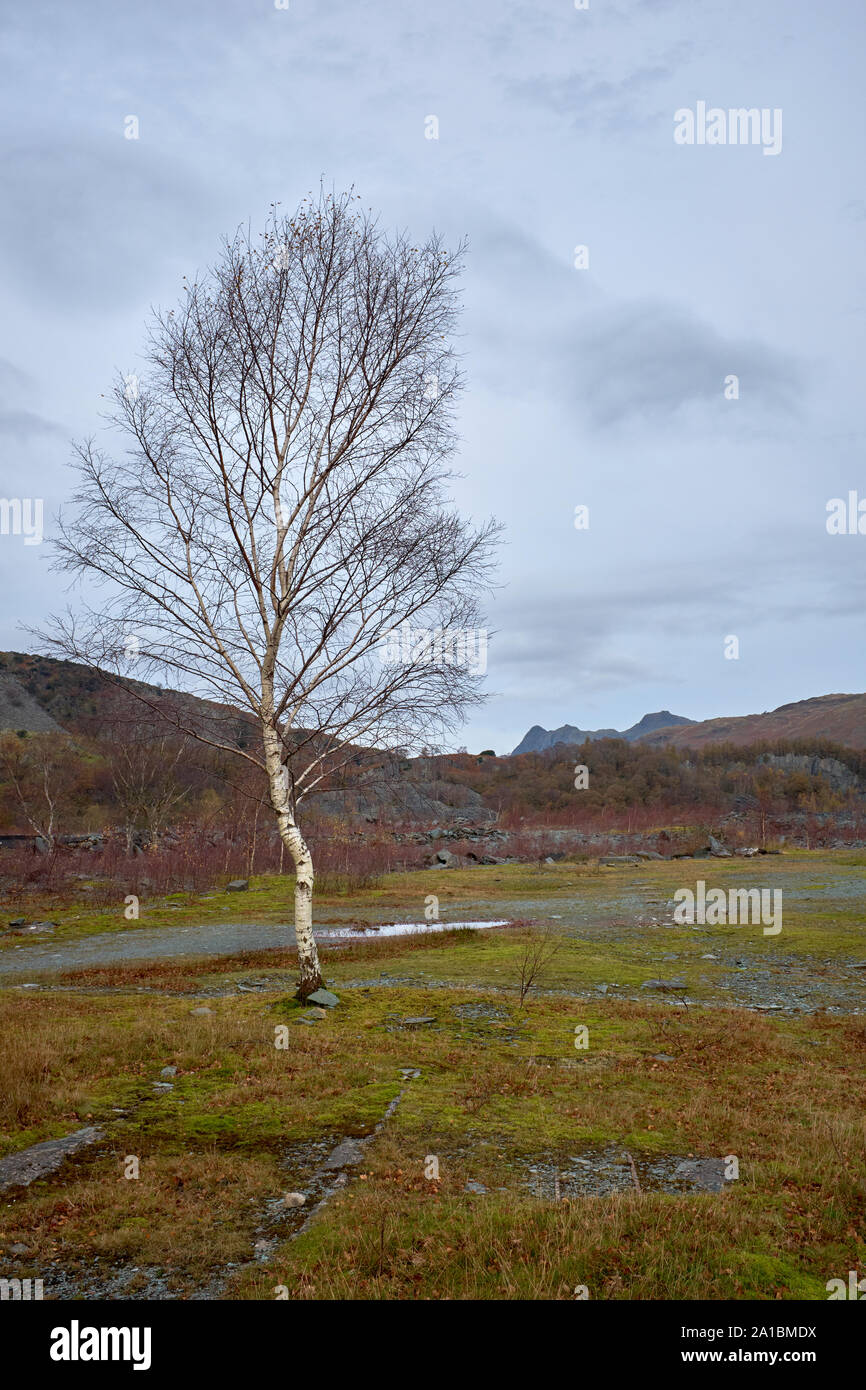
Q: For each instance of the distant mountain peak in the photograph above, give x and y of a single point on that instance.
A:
(537, 739)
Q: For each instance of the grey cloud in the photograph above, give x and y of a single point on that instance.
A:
(21, 425)
(596, 103)
(618, 362)
(101, 214)
(648, 360)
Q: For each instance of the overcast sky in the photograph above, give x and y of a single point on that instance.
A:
(602, 386)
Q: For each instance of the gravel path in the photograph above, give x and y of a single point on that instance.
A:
(146, 943)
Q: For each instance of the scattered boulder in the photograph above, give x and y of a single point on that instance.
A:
(323, 998)
(294, 1199)
(619, 859)
(168, 1071)
(664, 985)
(418, 1022)
(238, 885)
(717, 849)
(475, 1187)
(198, 1013)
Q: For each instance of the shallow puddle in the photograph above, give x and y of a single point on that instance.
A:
(408, 928)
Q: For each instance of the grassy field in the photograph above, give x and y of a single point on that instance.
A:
(503, 1098)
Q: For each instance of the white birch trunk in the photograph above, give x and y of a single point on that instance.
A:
(310, 976)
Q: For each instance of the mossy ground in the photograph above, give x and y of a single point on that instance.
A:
(784, 1094)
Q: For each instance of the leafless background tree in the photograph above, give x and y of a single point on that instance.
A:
(143, 755)
(41, 770)
(282, 504)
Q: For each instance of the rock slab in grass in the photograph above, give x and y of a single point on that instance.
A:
(324, 998)
(21, 1169)
(345, 1155)
(706, 1174)
(238, 885)
(663, 984)
(417, 1022)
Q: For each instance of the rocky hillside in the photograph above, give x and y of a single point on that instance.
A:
(834, 718)
(19, 711)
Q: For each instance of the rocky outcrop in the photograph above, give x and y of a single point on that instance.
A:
(404, 800)
(838, 774)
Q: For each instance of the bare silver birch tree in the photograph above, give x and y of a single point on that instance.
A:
(282, 505)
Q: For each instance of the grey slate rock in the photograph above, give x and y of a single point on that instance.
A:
(447, 859)
(22, 1168)
(324, 998)
(707, 1174)
(345, 1155)
(238, 885)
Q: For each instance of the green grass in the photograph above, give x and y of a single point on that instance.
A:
(494, 1094)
